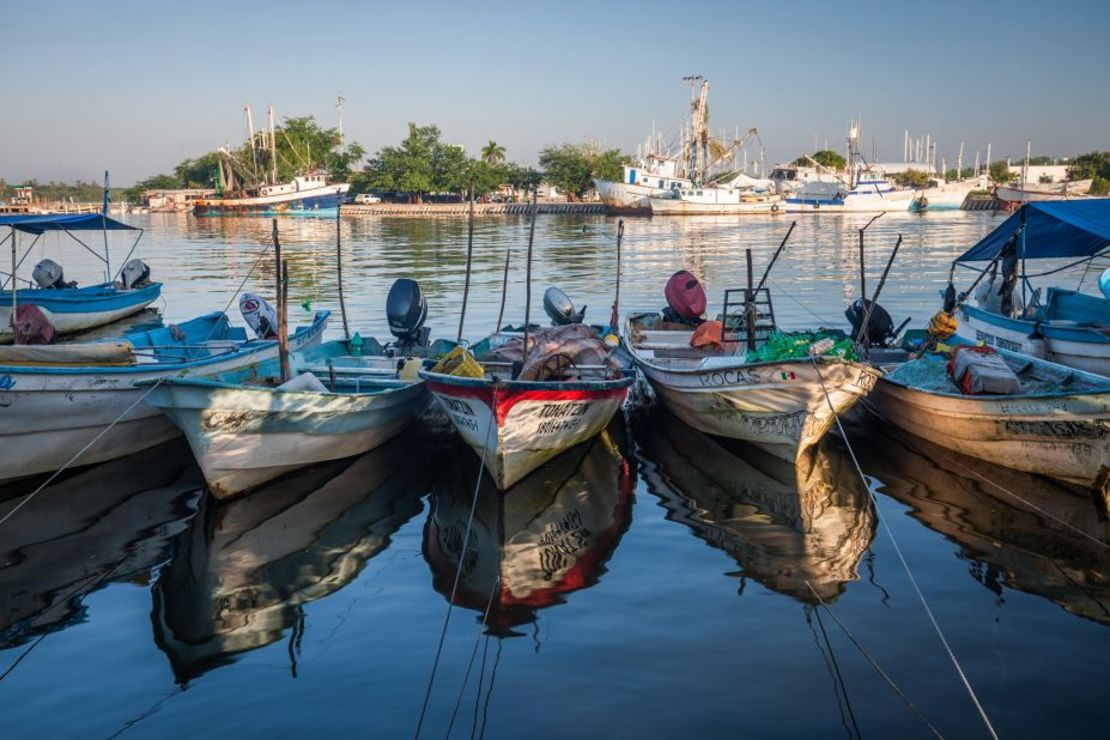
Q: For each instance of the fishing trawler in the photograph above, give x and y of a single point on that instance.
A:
(309, 192)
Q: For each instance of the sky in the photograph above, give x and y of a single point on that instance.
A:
(136, 87)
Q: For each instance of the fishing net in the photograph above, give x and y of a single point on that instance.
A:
(796, 345)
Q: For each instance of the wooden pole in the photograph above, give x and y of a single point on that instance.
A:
(283, 324)
(614, 319)
(528, 276)
(15, 285)
(864, 337)
(504, 290)
(749, 302)
(339, 262)
(862, 263)
(469, 256)
(277, 264)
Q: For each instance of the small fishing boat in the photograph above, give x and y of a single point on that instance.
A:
(1055, 424)
(55, 400)
(701, 371)
(340, 399)
(71, 309)
(948, 196)
(515, 424)
(1021, 193)
(1070, 328)
(528, 551)
(243, 572)
(719, 200)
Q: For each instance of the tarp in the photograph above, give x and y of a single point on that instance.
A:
(1057, 228)
(39, 223)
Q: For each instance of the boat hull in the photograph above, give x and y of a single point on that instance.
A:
(73, 310)
(517, 426)
(889, 202)
(311, 201)
(1058, 435)
(1082, 348)
(244, 436)
(678, 207)
(622, 196)
(49, 414)
(779, 406)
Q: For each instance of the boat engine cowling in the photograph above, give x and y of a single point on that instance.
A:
(406, 311)
(560, 309)
(49, 274)
(259, 315)
(135, 274)
(880, 327)
(685, 296)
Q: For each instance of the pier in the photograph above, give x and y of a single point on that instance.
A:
(480, 209)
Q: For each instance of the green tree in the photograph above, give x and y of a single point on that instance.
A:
(134, 194)
(493, 153)
(606, 165)
(825, 158)
(567, 168)
(1000, 172)
(406, 168)
(522, 179)
(912, 178)
(1094, 166)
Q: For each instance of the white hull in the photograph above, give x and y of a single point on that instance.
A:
(1057, 435)
(48, 416)
(243, 437)
(1090, 357)
(949, 196)
(621, 195)
(1010, 194)
(516, 428)
(895, 201)
(679, 207)
(779, 406)
(71, 323)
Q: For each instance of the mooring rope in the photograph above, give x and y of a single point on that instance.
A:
(905, 565)
(874, 663)
(473, 654)
(840, 690)
(82, 451)
(261, 254)
(458, 570)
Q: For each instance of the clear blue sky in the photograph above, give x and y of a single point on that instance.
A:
(136, 87)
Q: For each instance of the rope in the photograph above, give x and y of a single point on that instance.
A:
(839, 689)
(80, 452)
(873, 662)
(804, 307)
(905, 565)
(458, 575)
(473, 654)
(234, 295)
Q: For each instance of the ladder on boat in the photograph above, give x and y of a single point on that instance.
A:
(749, 314)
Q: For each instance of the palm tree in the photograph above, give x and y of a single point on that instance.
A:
(493, 153)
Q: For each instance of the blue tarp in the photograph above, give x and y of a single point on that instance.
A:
(39, 223)
(1059, 228)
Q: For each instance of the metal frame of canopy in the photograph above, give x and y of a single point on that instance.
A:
(39, 224)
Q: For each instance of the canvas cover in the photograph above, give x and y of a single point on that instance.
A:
(1060, 228)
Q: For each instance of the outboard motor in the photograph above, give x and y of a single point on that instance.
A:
(135, 274)
(880, 327)
(560, 309)
(685, 298)
(406, 310)
(259, 315)
(48, 274)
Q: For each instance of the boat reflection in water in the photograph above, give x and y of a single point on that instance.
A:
(244, 570)
(784, 524)
(547, 536)
(111, 522)
(992, 513)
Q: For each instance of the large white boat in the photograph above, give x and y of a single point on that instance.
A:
(870, 193)
(949, 196)
(1025, 192)
(655, 176)
(717, 200)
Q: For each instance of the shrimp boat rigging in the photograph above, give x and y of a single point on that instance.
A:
(68, 308)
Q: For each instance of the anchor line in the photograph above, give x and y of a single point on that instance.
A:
(481, 682)
(905, 565)
(489, 689)
(261, 254)
(840, 690)
(874, 663)
(473, 654)
(82, 451)
(458, 575)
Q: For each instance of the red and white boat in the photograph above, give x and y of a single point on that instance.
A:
(517, 425)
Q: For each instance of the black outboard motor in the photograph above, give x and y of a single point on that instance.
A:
(48, 274)
(135, 274)
(406, 310)
(560, 309)
(880, 327)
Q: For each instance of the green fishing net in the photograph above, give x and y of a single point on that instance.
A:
(795, 345)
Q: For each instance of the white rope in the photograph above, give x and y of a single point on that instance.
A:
(868, 483)
(80, 452)
(874, 663)
(473, 654)
(458, 570)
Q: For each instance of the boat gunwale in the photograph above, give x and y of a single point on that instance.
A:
(625, 381)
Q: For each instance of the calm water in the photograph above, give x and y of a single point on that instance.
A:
(653, 583)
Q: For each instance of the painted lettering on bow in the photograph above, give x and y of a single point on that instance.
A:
(729, 376)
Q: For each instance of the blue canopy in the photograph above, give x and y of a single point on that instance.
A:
(1056, 228)
(40, 223)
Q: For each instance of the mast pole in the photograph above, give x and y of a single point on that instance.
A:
(250, 137)
(339, 261)
(104, 229)
(469, 258)
(273, 148)
(528, 276)
(15, 285)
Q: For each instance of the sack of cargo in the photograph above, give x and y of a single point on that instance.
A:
(981, 370)
(461, 363)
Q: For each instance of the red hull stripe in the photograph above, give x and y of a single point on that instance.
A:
(507, 398)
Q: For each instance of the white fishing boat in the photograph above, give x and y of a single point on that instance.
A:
(517, 424)
(948, 196)
(1039, 192)
(655, 176)
(1056, 425)
(734, 198)
(1069, 327)
(71, 309)
(55, 400)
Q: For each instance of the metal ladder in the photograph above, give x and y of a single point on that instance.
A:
(735, 315)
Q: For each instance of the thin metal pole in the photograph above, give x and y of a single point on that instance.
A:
(339, 262)
(749, 299)
(862, 262)
(504, 290)
(15, 284)
(283, 324)
(614, 319)
(864, 337)
(104, 228)
(775, 256)
(469, 256)
(528, 276)
(277, 264)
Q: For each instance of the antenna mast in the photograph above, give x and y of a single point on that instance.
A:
(339, 100)
(273, 146)
(250, 137)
